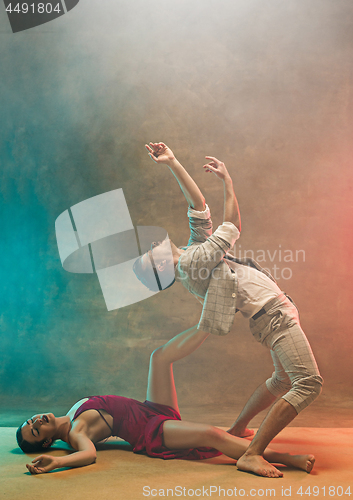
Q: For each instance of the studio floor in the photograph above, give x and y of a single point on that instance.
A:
(119, 473)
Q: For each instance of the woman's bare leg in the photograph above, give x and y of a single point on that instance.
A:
(184, 435)
(161, 387)
(304, 462)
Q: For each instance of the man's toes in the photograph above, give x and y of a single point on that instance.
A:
(247, 433)
(275, 473)
(310, 463)
(279, 473)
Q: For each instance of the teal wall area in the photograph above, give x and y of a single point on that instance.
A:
(264, 86)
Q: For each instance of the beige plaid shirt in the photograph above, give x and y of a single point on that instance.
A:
(204, 273)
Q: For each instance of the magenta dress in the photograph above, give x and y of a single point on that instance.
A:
(141, 425)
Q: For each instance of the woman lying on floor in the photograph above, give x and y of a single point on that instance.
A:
(153, 427)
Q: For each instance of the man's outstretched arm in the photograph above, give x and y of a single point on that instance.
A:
(160, 153)
(231, 207)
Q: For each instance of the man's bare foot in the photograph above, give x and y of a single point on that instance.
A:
(242, 433)
(258, 465)
(303, 462)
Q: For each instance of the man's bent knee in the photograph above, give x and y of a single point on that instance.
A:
(304, 392)
(277, 387)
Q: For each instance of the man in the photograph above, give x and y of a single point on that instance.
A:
(225, 285)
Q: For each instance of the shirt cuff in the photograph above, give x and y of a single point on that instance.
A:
(228, 232)
(205, 214)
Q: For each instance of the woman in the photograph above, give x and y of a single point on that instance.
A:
(153, 427)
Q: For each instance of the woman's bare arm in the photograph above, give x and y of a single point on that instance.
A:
(85, 455)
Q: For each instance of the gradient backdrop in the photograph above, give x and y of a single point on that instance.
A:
(264, 86)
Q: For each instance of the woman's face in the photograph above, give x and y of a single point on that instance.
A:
(39, 428)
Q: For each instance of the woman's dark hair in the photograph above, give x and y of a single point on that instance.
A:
(25, 446)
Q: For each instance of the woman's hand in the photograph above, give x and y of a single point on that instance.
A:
(217, 167)
(42, 464)
(160, 153)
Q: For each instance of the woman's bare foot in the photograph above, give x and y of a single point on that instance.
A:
(258, 465)
(242, 433)
(303, 462)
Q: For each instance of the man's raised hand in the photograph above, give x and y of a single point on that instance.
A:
(159, 152)
(217, 167)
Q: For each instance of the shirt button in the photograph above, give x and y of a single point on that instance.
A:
(233, 295)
